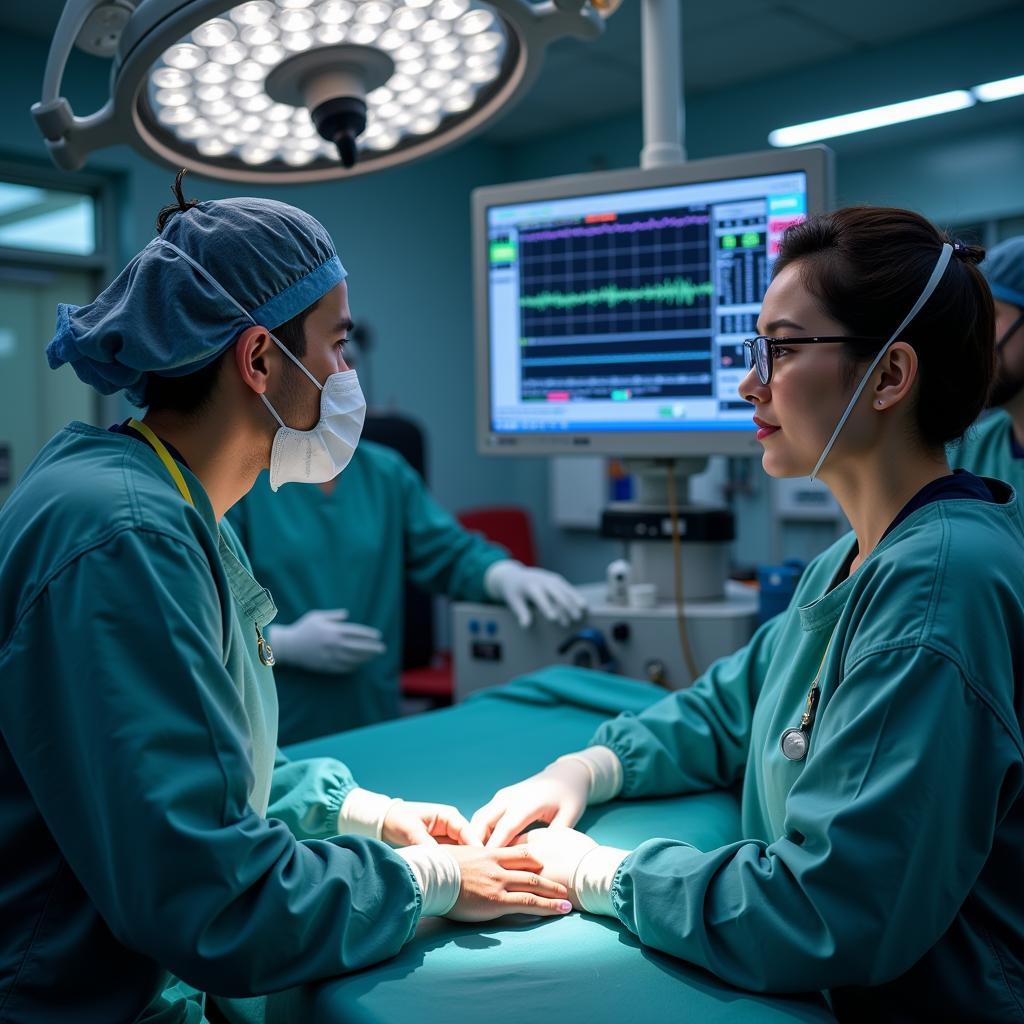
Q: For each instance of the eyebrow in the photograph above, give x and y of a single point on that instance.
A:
(345, 324)
(776, 324)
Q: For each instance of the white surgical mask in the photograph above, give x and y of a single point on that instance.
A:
(940, 268)
(318, 455)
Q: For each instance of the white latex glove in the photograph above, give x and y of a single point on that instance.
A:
(560, 850)
(558, 795)
(323, 641)
(574, 860)
(519, 587)
(411, 824)
(403, 823)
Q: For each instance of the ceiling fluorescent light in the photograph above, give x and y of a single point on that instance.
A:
(876, 117)
(1002, 89)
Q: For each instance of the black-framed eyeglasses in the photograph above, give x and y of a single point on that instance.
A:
(759, 352)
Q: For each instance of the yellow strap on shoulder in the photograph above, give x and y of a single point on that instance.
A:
(165, 457)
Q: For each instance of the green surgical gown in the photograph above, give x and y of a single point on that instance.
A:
(354, 549)
(887, 866)
(146, 827)
(987, 450)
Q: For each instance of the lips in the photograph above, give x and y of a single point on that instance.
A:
(765, 429)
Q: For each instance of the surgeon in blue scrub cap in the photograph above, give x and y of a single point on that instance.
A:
(186, 297)
(155, 845)
(995, 445)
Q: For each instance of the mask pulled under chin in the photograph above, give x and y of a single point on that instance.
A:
(318, 455)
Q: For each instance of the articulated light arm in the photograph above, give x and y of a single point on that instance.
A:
(69, 138)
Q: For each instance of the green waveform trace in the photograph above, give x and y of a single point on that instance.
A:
(672, 291)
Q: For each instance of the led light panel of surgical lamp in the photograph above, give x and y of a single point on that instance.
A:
(303, 90)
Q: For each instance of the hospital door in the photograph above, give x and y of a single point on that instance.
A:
(36, 401)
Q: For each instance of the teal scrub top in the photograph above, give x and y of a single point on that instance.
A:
(354, 549)
(886, 867)
(987, 449)
(148, 830)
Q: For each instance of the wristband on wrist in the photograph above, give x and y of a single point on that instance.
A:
(363, 812)
(438, 876)
(591, 883)
(605, 770)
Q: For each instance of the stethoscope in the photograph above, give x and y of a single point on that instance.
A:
(794, 742)
(263, 648)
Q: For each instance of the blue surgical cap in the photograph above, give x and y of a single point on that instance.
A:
(262, 262)
(1003, 268)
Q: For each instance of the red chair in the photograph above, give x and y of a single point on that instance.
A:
(507, 525)
(433, 681)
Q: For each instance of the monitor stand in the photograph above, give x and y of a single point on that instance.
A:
(645, 525)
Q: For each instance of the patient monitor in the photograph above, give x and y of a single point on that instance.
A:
(611, 308)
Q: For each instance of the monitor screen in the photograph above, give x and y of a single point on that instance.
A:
(612, 308)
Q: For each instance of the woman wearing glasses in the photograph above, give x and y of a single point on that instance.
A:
(876, 725)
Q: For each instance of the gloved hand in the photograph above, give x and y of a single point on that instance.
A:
(322, 641)
(497, 882)
(574, 860)
(558, 796)
(414, 824)
(517, 586)
(560, 850)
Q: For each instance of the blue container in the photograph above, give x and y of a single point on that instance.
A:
(777, 584)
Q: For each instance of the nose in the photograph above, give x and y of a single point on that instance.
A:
(751, 389)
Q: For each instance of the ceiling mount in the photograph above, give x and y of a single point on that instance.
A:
(332, 82)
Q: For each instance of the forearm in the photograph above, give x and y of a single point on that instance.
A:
(695, 739)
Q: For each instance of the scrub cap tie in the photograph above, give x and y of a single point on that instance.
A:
(217, 268)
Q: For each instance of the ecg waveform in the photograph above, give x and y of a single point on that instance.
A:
(629, 227)
(672, 291)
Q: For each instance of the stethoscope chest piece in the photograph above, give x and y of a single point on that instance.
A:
(794, 744)
(265, 651)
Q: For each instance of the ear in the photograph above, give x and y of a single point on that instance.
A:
(895, 375)
(253, 354)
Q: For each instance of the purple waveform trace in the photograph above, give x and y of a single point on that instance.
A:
(615, 229)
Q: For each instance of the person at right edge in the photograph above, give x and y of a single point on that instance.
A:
(995, 445)
(876, 725)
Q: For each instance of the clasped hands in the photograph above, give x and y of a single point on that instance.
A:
(526, 872)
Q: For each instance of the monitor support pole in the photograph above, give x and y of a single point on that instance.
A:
(705, 532)
(662, 60)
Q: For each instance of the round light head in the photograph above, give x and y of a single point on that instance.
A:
(230, 91)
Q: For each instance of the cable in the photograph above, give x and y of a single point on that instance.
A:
(677, 564)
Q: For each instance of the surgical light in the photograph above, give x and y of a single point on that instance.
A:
(274, 91)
